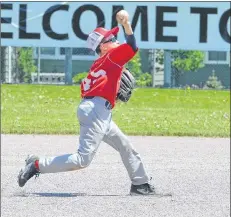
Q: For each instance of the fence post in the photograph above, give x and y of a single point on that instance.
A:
(68, 65)
(167, 68)
(38, 74)
(152, 63)
(9, 64)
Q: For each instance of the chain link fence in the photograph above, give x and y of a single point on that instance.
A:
(152, 68)
(41, 65)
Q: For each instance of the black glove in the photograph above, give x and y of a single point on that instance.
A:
(127, 84)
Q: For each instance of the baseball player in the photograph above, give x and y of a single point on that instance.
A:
(99, 91)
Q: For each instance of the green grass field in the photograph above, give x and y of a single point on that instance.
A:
(45, 109)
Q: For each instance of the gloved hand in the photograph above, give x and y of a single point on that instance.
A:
(127, 84)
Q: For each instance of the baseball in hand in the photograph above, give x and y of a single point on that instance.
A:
(122, 16)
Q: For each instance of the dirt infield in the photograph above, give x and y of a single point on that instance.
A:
(195, 170)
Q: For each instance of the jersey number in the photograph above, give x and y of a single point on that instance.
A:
(95, 75)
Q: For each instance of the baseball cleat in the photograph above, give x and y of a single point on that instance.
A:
(29, 171)
(144, 189)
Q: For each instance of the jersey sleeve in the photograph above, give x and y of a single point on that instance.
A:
(122, 54)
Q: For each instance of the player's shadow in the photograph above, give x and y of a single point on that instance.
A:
(42, 194)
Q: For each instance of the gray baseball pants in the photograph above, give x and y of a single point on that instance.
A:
(96, 125)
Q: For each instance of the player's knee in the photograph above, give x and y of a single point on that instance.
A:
(126, 145)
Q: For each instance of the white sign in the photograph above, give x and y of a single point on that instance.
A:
(156, 25)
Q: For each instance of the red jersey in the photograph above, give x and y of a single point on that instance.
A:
(105, 73)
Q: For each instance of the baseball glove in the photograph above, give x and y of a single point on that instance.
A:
(127, 84)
